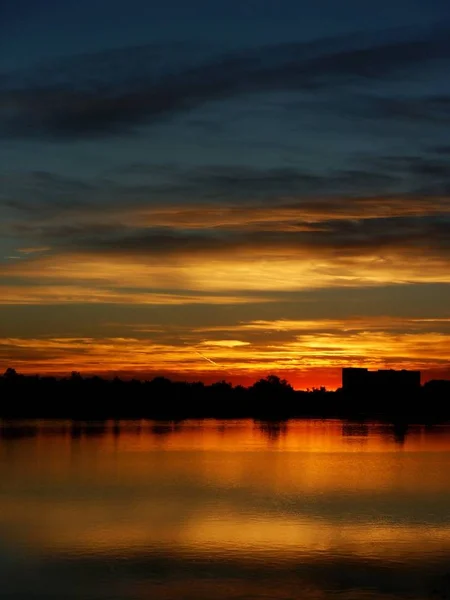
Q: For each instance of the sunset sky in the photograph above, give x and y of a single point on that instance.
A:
(216, 189)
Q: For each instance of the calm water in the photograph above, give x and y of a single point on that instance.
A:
(211, 510)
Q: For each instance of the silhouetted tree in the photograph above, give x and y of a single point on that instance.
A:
(272, 384)
(10, 373)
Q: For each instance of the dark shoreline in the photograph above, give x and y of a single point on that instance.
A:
(269, 399)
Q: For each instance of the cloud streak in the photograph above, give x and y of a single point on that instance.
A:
(98, 105)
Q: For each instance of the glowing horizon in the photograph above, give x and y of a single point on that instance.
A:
(307, 353)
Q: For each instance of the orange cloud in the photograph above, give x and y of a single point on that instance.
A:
(233, 255)
(286, 215)
(85, 294)
(267, 271)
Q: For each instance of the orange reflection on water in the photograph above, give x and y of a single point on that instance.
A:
(241, 488)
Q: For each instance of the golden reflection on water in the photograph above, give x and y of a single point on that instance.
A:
(242, 491)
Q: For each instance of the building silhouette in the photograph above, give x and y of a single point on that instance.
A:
(384, 381)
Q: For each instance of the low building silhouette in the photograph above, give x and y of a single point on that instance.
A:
(438, 388)
(384, 381)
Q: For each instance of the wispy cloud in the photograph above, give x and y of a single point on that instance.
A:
(89, 103)
(85, 293)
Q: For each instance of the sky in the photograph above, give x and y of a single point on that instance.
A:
(223, 190)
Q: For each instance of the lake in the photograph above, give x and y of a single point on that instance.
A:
(211, 510)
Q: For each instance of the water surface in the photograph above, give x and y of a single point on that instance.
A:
(224, 510)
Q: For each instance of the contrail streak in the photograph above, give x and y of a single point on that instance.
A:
(206, 358)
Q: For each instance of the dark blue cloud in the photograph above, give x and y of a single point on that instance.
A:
(115, 92)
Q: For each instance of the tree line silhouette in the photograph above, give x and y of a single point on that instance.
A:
(95, 398)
